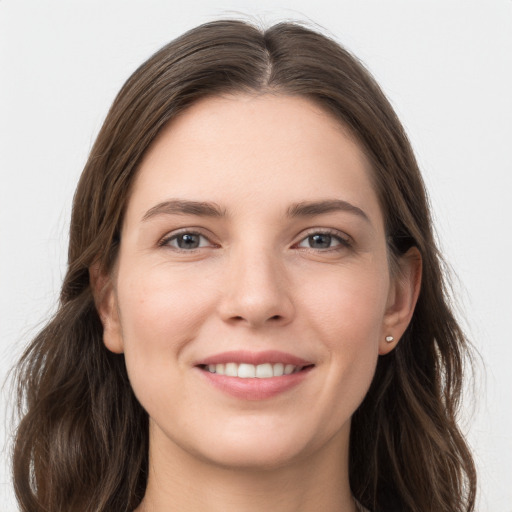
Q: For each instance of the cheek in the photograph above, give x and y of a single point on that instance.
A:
(161, 311)
(343, 313)
(346, 315)
(161, 301)
(348, 307)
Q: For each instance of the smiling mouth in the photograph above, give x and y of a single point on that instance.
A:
(251, 371)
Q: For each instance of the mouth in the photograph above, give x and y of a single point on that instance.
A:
(254, 375)
(252, 371)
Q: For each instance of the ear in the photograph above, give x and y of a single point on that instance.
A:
(105, 300)
(403, 295)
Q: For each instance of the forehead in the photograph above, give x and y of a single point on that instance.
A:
(245, 149)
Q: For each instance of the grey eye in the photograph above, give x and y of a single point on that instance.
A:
(186, 241)
(320, 241)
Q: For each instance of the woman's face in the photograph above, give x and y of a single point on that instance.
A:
(253, 245)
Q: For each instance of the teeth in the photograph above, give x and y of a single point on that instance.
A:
(246, 371)
(231, 370)
(289, 368)
(264, 371)
(279, 369)
(250, 371)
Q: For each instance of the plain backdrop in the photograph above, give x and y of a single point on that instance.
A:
(445, 65)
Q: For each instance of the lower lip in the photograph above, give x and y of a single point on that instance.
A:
(255, 389)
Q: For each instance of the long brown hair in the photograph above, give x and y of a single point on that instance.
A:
(82, 442)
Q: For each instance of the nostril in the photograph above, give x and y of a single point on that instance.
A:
(275, 317)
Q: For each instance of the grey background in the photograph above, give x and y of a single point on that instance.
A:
(446, 66)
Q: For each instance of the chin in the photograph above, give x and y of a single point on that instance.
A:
(256, 444)
(254, 455)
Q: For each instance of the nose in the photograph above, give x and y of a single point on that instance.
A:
(256, 291)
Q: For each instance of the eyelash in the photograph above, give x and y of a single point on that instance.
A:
(174, 236)
(345, 241)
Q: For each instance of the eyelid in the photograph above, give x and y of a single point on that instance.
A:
(344, 239)
(164, 241)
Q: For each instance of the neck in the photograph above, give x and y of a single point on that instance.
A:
(180, 481)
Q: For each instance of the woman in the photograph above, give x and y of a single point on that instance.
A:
(254, 315)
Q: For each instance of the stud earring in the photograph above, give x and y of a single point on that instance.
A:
(389, 339)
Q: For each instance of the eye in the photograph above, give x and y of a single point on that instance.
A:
(322, 240)
(186, 241)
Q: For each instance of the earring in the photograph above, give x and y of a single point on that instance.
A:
(389, 339)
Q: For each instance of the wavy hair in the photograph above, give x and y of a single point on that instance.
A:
(82, 441)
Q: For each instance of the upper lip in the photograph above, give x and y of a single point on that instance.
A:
(255, 358)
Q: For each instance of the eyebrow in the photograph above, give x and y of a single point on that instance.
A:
(312, 208)
(185, 207)
(209, 209)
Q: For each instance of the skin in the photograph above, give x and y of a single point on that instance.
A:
(256, 282)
